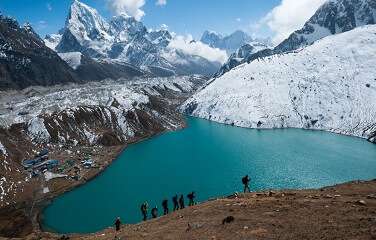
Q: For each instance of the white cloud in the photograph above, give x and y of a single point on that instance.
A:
(42, 25)
(289, 16)
(187, 45)
(130, 7)
(49, 7)
(238, 19)
(161, 2)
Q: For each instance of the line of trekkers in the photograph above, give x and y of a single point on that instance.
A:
(178, 203)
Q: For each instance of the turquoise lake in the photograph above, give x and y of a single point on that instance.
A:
(209, 158)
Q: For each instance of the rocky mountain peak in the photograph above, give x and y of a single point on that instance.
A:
(124, 27)
(24, 57)
(86, 23)
(29, 29)
(10, 22)
(211, 38)
(334, 16)
(160, 37)
(230, 43)
(124, 40)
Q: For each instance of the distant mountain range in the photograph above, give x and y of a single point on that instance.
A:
(90, 48)
(231, 43)
(334, 16)
(124, 40)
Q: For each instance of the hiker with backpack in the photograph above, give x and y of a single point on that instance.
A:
(165, 206)
(191, 196)
(154, 212)
(246, 181)
(117, 224)
(181, 202)
(175, 202)
(144, 210)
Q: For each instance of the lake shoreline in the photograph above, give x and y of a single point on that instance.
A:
(347, 204)
(34, 221)
(210, 130)
(38, 228)
(117, 153)
(338, 132)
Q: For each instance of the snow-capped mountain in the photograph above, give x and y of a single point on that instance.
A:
(333, 17)
(123, 39)
(85, 31)
(24, 57)
(232, 42)
(244, 52)
(330, 85)
(52, 40)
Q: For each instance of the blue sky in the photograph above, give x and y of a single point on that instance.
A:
(182, 16)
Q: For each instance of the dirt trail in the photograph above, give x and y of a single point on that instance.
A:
(346, 211)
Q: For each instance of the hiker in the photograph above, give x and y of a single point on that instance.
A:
(154, 212)
(165, 206)
(191, 198)
(144, 210)
(246, 181)
(181, 201)
(175, 201)
(117, 224)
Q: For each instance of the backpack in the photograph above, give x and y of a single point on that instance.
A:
(143, 207)
(245, 180)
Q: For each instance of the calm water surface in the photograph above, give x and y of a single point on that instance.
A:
(210, 159)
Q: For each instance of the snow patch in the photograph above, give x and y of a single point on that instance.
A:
(3, 150)
(46, 190)
(49, 176)
(37, 130)
(2, 192)
(72, 58)
(52, 40)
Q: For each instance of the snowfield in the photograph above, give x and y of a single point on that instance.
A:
(72, 58)
(330, 85)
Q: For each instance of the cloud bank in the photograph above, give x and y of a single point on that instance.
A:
(130, 7)
(161, 2)
(187, 45)
(289, 16)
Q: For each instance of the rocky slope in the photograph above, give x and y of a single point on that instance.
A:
(346, 211)
(88, 69)
(329, 85)
(25, 60)
(333, 17)
(124, 40)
